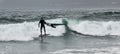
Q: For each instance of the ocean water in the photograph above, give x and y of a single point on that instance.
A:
(90, 31)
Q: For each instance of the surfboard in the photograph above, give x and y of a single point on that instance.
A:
(53, 25)
(40, 37)
(44, 35)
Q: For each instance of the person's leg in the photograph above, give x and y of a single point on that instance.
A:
(44, 30)
(41, 33)
(41, 30)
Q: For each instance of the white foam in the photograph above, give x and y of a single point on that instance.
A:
(96, 27)
(108, 50)
(27, 30)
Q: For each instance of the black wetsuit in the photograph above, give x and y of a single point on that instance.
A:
(42, 22)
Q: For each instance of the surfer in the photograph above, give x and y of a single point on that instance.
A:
(42, 23)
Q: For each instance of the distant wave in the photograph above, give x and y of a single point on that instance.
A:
(94, 15)
(10, 20)
(103, 16)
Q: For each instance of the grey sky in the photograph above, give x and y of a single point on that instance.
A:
(59, 3)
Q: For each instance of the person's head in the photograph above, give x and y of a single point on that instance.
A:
(42, 18)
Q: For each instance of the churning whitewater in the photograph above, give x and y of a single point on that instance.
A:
(27, 30)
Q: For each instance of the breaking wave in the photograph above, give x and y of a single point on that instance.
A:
(27, 30)
(99, 28)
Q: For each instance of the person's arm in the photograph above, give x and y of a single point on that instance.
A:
(45, 22)
(39, 24)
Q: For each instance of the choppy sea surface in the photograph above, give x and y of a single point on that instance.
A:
(86, 31)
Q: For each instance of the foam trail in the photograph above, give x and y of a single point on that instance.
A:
(27, 30)
(108, 50)
(99, 28)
